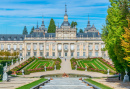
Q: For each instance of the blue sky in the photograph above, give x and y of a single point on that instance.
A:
(15, 14)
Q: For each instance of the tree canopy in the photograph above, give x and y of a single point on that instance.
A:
(32, 30)
(25, 32)
(73, 24)
(81, 31)
(52, 26)
(113, 30)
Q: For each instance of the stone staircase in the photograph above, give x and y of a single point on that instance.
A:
(66, 83)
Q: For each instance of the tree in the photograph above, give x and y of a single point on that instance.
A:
(32, 30)
(112, 33)
(25, 32)
(73, 24)
(81, 31)
(52, 26)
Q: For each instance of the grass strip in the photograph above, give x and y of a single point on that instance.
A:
(30, 85)
(102, 86)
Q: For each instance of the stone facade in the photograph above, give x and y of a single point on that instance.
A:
(66, 42)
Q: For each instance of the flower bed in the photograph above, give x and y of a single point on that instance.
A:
(19, 67)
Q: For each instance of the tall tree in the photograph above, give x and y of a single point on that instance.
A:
(25, 32)
(32, 30)
(73, 24)
(112, 32)
(81, 31)
(52, 26)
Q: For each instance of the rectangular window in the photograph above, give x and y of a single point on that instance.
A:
(28, 54)
(28, 47)
(77, 47)
(72, 54)
(90, 54)
(90, 47)
(65, 47)
(47, 54)
(41, 46)
(8, 47)
(65, 54)
(41, 53)
(103, 46)
(53, 54)
(84, 54)
(35, 53)
(14, 47)
(84, 47)
(20, 54)
(96, 54)
(59, 54)
(53, 48)
(72, 47)
(47, 47)
(2, 47)
(20, 47)
(35, 47)
(77, 54)
(96, 47)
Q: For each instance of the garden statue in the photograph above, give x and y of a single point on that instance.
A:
(45, 68)
(17, 60)
(126, 77)
(108, 71)
(20, 58)
(22, 72)
(55, 67)
(6, 64)
(5, 75)
(12, 62)
(86, 68)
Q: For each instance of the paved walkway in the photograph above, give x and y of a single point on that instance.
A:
(66, 68)
(66, 83)
(16, 82)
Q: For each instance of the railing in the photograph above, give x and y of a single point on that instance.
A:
(46, 38)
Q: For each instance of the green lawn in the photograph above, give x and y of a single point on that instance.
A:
(39, 63)
(30, 85)
(97, 84)
(93, 63)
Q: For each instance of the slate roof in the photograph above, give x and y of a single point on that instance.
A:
(11, 37)
(20, 37)
(88, 34)
(65, 23)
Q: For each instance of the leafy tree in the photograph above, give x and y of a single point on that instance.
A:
(73, 24)
(112, 33)
(81, 31)
(52, 26)
(32, 30)
(25, 32)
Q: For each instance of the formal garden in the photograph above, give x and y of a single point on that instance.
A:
(92, 64)
(34, 64)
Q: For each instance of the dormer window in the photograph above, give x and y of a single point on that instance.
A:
(21, 38)
(15, 38)
(9, 38)
(2, 38)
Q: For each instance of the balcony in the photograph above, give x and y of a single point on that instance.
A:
(65, 49)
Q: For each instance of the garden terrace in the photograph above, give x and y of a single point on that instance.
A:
(93, 64)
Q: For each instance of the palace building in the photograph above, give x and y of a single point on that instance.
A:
(65, 42)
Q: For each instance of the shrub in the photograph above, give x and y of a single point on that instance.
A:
(9, 72)
(26, 72)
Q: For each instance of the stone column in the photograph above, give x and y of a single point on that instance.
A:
(75, 50)
(93, 50)
(62, 52)
(38, 48)
(44, 49)
(69, 50)
(87, 49)
(100, 52)
(31, 49)
(56, 50)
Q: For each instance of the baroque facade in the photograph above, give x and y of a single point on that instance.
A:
(65, 42)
